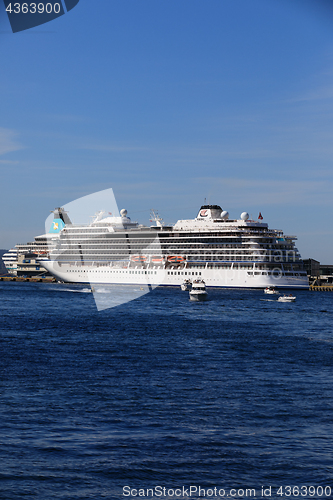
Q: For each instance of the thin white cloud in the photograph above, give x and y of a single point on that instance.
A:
(9, 162)
(8, 141)
(321, 93)
(270, 192)
(116, 148)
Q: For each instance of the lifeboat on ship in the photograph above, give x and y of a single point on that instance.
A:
(138, 258)
(175, 259)
(157, 259)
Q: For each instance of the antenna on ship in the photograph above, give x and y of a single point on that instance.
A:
(154, 217)
(98, 216)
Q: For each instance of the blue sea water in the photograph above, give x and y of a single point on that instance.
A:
(234, 393)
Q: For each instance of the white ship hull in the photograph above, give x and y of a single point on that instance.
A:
(232, 253)
(237, 278)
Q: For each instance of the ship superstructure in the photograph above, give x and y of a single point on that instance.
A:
(223, 252)
(10, 261)
(22, 257)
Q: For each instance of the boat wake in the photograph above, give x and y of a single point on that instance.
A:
(73, 290)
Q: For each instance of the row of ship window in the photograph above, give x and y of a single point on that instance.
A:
(179, 248)
(191, 255)
(193, 259)
(190, 239)
(100, 271)
(234, 266)
(179, 273)
(138, 245)
(184, 273)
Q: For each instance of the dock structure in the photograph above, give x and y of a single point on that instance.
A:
(49, 279)
(321, 288)
(320, 275)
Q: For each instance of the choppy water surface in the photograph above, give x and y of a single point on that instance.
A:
(233, 393)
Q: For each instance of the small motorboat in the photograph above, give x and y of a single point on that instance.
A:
(186, 286)
(198, 291)
(287, 298)
(271, 290)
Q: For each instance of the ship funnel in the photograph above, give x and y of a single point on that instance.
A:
(60, 213)
(209, 212)
(60, 220)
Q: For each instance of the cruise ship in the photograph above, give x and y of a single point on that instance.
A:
(223, 252)
(23, 254)
(10, 261)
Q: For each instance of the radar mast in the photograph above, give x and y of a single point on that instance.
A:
(154, 217)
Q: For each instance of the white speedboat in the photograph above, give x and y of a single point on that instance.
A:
(198, 291)
(287, 298)
(186, 286)
(270, 290)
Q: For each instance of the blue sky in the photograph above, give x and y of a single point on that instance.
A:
(170, 102)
